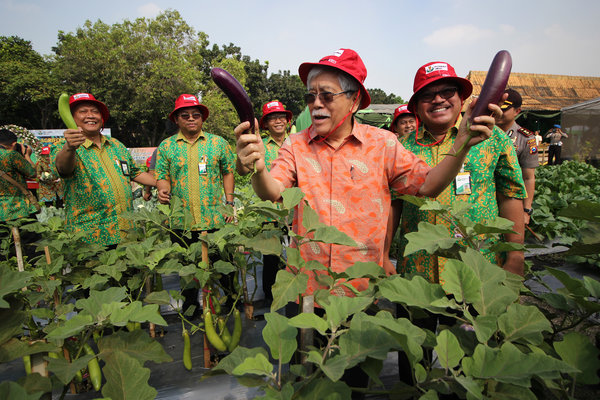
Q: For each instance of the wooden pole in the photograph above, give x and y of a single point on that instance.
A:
(151, 326)
(306, 335)
(205, 305)
(18, 250)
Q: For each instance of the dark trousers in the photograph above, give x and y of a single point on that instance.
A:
(270, 268)
(354, 377)
(554, 154)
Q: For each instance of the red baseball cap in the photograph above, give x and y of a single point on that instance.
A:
(433, 72)
(401, 110)
(346, 60)
(86, 97)
(274, 107)
(188, 100)
(45, 150)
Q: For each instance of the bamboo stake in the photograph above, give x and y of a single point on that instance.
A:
(151, 326)
(68, 358)
(18, 250)
(306, 335)
(205, 305)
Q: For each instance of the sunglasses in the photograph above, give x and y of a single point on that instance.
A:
(324, 97)
(445, 94)
(186, 115)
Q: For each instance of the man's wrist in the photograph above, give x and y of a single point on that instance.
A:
(229, 203)
(528, 211)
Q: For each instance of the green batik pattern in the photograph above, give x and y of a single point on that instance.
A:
(98, 192)
(271, 150)
(178, 162)
(13, 203)
(493, 167)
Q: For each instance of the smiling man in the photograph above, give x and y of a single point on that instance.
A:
(97, 173)
(345, 169)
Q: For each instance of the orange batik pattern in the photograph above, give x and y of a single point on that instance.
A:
(349, 188)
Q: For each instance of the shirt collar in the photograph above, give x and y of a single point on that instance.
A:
(180, 136)
(421, 136)
(103, 141)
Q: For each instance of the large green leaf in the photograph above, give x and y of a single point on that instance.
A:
(93, 304)
(287, 288)
(460, 281)
(473, 387)
(485, 271)
(415, 292)
(335, 366)
(310, 219)
(34, 383)
(256, 365)
(309, 321)
(280, 336)
(494, 299)
(136, 344)
(506, 391)
(364, 269)
(138, 313)
(577, 350)
(409, 336)
(224, 267)
(573, 285)
(12, 321)
(338, 309)
(14, 391)
(16, 348)
(126, 379)
(264, 244)
(330, 234)
(235, 358)
(294, 258)
(592, 286)
(509, 365)
(66, 371)
(523, 323)
(485, 326)
(429, 237)
(448, 349)
(292, 197)
(71, 327)
(161, 297)
(365, 339)
(11, 281)
(498, 225)
(325, 389)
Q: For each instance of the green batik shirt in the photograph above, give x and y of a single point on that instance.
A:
(99, 191)
(13, 203)
(271, 150)
(493, 168)
(195, 171)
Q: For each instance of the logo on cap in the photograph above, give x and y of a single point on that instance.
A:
(81, 96)
(436, 67)
(338, 53)
(273, 104)
(189, 98)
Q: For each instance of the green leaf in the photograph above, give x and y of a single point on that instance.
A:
(485, 326)
(575, 286)
(310, 219)
(475, 388)
(499, 225)
(11, 281)
(592, 286)
(338, 309)
(224, 267)
(365, 339)
(16, 348)
(34, 383)
(335, 366)
(14, 391)
(460, 281)
(66, 371)
(12, 321)
(448, 349)
(237, 356)
(309, 321)
(505, 391)
(287, 288)
(93, 304)
(364, 269)
(257, 365)
(330, 234)
(71, 327)
(136, 344)
(415, 292)
(523, 323)
(294, 258)
(292, 197)
(325, 389)
(280, 336)
(577, 350)
(264, 243)
(373, 368)
(126, 378)
(430, 238)
(94, 282)
(137, 313)
(161, 297)
(430, 395)
(409, 336)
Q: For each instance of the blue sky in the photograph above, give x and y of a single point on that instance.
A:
(394, 38)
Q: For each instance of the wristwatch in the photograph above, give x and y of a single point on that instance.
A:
(230, 203)
(528, 211)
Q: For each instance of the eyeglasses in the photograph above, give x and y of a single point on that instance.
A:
(325, 97)
(186, 115)
(274, 117)
(445, 94)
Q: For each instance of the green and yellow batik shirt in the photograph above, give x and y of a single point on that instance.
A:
(493, 168)
(13, 203)
(99, 191)
(195, 171)
(271, 150)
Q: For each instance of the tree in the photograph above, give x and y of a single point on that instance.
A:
(27, 87)
(288, 89)
(378, 96)
(138, 68)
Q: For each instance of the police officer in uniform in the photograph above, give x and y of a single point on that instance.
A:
(525, 145)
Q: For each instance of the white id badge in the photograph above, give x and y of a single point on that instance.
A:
(124, 167)
(202, 168)
(463, 183)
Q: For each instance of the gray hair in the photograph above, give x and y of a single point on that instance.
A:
(347, 83)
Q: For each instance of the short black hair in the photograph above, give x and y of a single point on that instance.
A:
(7, 136)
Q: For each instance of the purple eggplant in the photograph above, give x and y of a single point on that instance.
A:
(236, 94)
(494, 85)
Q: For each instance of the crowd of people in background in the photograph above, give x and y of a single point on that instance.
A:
(351, 174)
